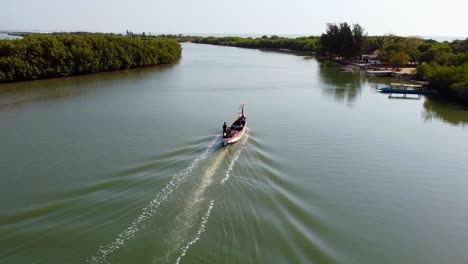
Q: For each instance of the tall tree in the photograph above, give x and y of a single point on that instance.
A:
(342, 40)
(358, 37)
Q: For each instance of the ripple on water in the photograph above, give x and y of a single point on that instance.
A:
(151, 209)
(260, 199)
(201, 229)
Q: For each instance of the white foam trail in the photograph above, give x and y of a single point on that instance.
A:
(227, 174)
(201, 229)
(151, 209)
(206, 180)
(185, 220)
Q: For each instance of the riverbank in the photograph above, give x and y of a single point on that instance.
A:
(442, 66)
(405, 72)
(50, 56)
(308, 44)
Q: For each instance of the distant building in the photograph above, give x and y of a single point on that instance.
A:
(371, 58)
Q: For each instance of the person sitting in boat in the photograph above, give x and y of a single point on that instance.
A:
(242, 120)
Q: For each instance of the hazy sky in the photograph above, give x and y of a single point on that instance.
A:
(307, 17)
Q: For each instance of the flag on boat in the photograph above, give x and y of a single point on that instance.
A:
(241, 106)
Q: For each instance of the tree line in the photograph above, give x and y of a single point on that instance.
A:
(309, 44)
(47, 56)
(37, 56)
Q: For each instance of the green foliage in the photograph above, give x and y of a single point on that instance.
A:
(372, 43)
(439, 53)
(397, 58)
(47, 56)
(445, 66)
(342, 40)
(445, 78)
(459, 46)
(397, 50)
(274, 42)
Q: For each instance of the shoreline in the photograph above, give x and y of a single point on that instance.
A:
(157, 67)
(75, 55)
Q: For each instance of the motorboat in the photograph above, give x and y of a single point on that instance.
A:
(236, 130)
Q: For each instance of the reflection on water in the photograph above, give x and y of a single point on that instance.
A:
(405, 97)
(305, 54)
(343, 86)
(6, 36)
(13, 95)
(448, 112)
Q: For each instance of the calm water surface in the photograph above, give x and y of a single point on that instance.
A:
(6, 36)
(127, 167)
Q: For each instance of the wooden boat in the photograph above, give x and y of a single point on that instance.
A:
(403, 91)
(346, 69)
(407, 85)
(403, 88)
(236, 130)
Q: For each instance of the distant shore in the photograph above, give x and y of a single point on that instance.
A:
(442, 65)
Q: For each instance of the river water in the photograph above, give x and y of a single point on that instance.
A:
(6, 36)
(128, 167)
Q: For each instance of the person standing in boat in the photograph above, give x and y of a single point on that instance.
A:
(225, 130)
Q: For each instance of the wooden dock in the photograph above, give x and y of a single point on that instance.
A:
(379, 73)
(406, 85)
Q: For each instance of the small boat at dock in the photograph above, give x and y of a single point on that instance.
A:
(379, 73)
(236, 130)
(403, 88)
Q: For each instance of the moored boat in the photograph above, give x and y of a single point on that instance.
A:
(347, 69)
(403, 91)
(403, 88)
(236, 130)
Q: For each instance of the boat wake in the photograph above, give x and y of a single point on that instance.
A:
(184, 222)
(227, 174)
(201, 229)
(151, 209)
(191, 207)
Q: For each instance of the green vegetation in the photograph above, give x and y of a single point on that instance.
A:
(395, 50)
(309, 44)
(342, 40)
(40, 56)
(445, 66)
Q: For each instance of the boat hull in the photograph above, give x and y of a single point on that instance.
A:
(401, 91)
(234, 138)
